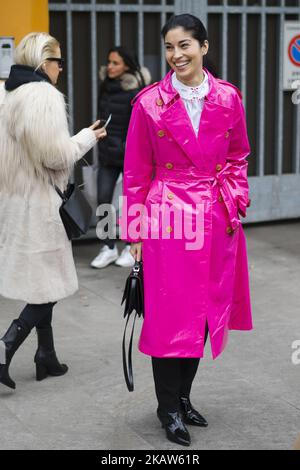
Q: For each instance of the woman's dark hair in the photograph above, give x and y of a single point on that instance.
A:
(130, 59)
(192, 24)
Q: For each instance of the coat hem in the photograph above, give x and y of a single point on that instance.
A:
(38, 301)
(182, 356)
(193, 356)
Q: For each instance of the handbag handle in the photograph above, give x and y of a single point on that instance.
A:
(60, 193)
(128, 374)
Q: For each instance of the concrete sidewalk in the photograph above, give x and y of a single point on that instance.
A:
(250, 395)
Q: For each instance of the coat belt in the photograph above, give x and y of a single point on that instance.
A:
(220, 180)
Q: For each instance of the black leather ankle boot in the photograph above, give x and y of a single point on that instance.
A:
(174, 427)
(45, 358)
(190, 415)
(13, 338)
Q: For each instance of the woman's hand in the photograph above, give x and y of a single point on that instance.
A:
(136, 251)
(99, 133)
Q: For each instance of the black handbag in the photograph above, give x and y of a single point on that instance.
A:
(134, 300)
(75, 211)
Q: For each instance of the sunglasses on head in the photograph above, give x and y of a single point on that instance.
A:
(60, 61)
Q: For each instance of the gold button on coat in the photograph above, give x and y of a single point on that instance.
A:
(169, 166)
(220, 199)
(219, 167)
(159, 102)
(170, 196)
(169, 229)
(229, 230)
(161, 134)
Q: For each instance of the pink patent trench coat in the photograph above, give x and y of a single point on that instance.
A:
(166, 163)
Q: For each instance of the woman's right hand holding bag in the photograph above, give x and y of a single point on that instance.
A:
(136, 251)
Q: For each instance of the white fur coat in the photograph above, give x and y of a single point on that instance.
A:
(36, 151)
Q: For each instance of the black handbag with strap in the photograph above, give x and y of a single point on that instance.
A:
(75, 211)
(134, 300)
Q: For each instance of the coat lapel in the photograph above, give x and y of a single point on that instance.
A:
(177, 121)
(215, 120)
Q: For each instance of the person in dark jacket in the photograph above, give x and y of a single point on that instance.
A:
(120, 81)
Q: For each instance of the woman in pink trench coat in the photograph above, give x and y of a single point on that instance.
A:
(192, 285)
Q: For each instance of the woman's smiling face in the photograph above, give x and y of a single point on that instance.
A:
(184, 54)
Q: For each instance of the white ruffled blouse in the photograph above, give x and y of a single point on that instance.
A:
(193, 98)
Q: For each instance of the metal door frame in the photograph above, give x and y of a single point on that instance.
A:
(274, 196)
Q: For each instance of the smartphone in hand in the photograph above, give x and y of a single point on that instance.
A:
(104, 123)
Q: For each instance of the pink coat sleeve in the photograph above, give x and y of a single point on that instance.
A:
(138, 170)
(235, 170)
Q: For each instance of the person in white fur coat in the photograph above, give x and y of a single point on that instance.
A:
(36, 153)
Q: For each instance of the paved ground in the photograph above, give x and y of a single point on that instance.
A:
(250, 395)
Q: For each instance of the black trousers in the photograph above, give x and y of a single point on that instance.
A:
(173, 378)
(107, 178)
(37, 315)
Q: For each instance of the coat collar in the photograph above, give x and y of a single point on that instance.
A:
(175, 118)
(168, 92)
(23, 74)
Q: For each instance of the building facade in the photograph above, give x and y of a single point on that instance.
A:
(246, 45)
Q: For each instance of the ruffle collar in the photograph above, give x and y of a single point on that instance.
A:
(191, 93)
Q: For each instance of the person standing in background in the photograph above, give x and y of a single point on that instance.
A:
(121, 80)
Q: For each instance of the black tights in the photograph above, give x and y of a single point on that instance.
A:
(37, 315)
(173, 378)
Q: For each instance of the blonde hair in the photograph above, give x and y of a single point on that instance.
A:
(34, 48)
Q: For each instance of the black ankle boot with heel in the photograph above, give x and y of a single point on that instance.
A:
(12, 340)
(45, 358)
(175, 429)
(190, 415)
